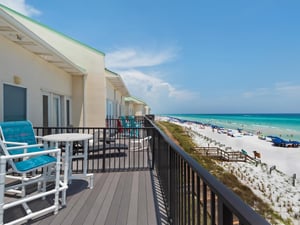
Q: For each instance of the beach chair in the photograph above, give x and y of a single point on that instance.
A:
(130, 127)
(125, 126)
(140, 144)
(46, 162)
(124, 122)
(119, 126)
(101, 143)
(134, 127)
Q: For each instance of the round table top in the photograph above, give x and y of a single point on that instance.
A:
(67, 137)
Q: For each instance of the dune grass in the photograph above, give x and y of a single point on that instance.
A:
(179, 136)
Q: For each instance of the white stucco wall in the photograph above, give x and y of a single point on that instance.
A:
(90, 60)
(138, 110)
(35, 75)
(110, 91)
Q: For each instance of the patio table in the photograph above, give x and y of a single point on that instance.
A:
(68, 139)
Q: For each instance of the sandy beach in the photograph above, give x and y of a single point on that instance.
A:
(277, 188)
(285, 159)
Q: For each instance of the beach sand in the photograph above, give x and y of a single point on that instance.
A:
(278, 188)
(286, 160)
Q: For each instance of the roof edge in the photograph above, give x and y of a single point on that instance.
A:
(108, 70)
(132, 98)
(20, 27)
(52, 30)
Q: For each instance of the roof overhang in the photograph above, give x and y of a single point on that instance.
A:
(117, 82)
(15, 32)
(134, 100)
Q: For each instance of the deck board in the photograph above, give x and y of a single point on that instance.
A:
(150, 201)
(107, 200)
(118, 198)
(142, 210)
(99, 201)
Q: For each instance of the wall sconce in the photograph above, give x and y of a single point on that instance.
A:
(17, 80)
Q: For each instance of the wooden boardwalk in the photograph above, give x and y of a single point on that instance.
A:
(118, 198)
(229, 156)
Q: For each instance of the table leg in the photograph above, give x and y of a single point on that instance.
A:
(66, 171)
(67, 160)
(85, 149)
(85, 162)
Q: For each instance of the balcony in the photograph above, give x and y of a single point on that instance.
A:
(159, 184)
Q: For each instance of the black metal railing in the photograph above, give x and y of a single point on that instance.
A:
(192, 194)
(110, 149)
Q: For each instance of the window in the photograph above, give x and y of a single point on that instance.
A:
(68, 112)
(56, 111)
(109, 109)
(45, 110)
(14, 103)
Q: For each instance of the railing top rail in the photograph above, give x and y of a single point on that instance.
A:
(243, 211)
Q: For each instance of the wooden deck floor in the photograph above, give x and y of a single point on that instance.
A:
(118, 198)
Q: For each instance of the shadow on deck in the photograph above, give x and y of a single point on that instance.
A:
(117, 198)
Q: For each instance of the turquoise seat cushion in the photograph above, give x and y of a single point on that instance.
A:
(34, 163)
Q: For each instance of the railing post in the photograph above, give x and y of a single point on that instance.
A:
(153, 131)
(204, 194)
(225, 217)
(212, 207)
(171, 185)
(103, 159)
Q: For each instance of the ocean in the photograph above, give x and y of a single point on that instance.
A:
(287, 126)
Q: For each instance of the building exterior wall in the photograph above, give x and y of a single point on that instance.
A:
(147, 110)
(110, 100)
(90, 60)
(119, 103)
(129, 111)
(34, 74)
(92, 96)
(114, 97)
(139, 110)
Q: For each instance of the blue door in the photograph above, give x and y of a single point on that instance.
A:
(14, 103)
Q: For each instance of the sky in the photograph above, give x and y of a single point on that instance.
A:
(192, 56)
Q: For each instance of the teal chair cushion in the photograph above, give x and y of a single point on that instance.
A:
(33, 163)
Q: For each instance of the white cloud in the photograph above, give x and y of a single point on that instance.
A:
(20, 6)
(288, 89)
(158, 93)
(132, 58)
(150, 86)
(277, 90)
(257, 93)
